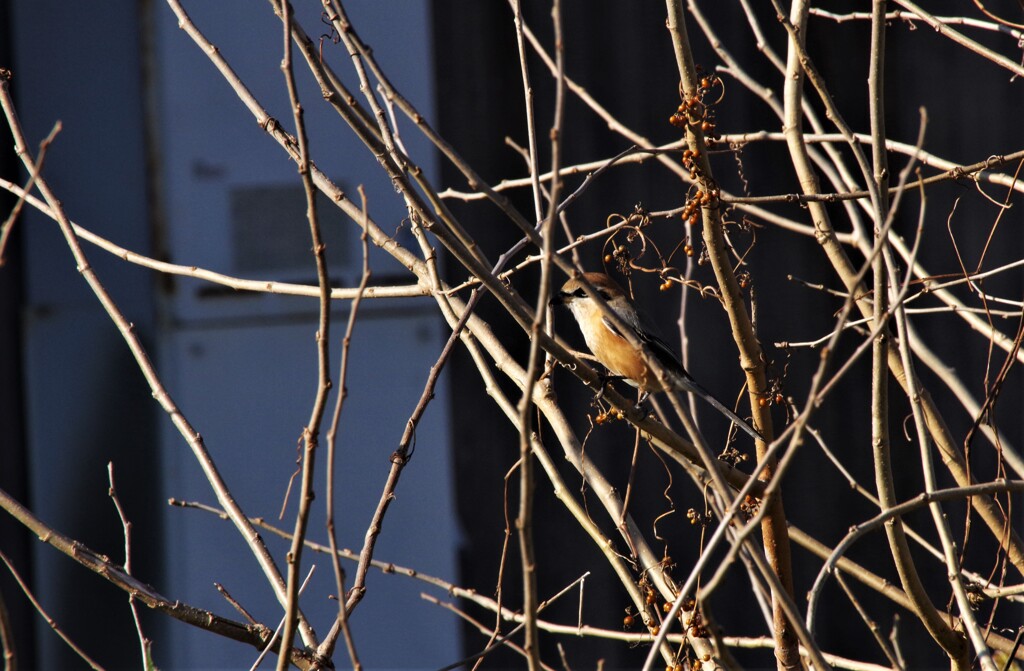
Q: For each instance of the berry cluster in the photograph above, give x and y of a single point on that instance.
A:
(605, 417)
(700, 198)
(695, 112)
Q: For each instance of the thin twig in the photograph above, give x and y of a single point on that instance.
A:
(256, 286)
(8, 225)
(280, 625)
(869, 622)
(524, 519)
(234, 602)
(909, 18)
(49, 620)
(7, 646)
(498, 641)
(311, 432)
(332, 444)
(880, 442)
(961, 39)
(399, 459)
(145, 645)
(511, 616)
(255, 635)
(981, 649)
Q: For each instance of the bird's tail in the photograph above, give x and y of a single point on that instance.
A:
(689, 384)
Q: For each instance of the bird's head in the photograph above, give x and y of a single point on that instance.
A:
(572, 292)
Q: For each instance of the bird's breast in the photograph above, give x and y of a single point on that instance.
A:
(619, 357)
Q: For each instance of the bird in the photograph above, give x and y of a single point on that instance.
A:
(619, 356)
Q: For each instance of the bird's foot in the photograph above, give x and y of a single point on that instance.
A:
(604, 379)
(641, 408)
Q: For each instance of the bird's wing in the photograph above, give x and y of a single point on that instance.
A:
(648, 335)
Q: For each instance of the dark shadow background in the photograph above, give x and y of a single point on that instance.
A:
(622, 55)
(14, 540)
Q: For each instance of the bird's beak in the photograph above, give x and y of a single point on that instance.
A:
(560, 298)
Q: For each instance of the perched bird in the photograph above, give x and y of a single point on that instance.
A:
(616, 353)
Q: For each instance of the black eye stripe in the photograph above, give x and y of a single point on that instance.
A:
(580, 293)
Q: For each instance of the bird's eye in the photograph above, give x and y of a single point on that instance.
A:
(579, 293)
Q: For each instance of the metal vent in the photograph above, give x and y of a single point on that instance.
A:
(270, 230)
